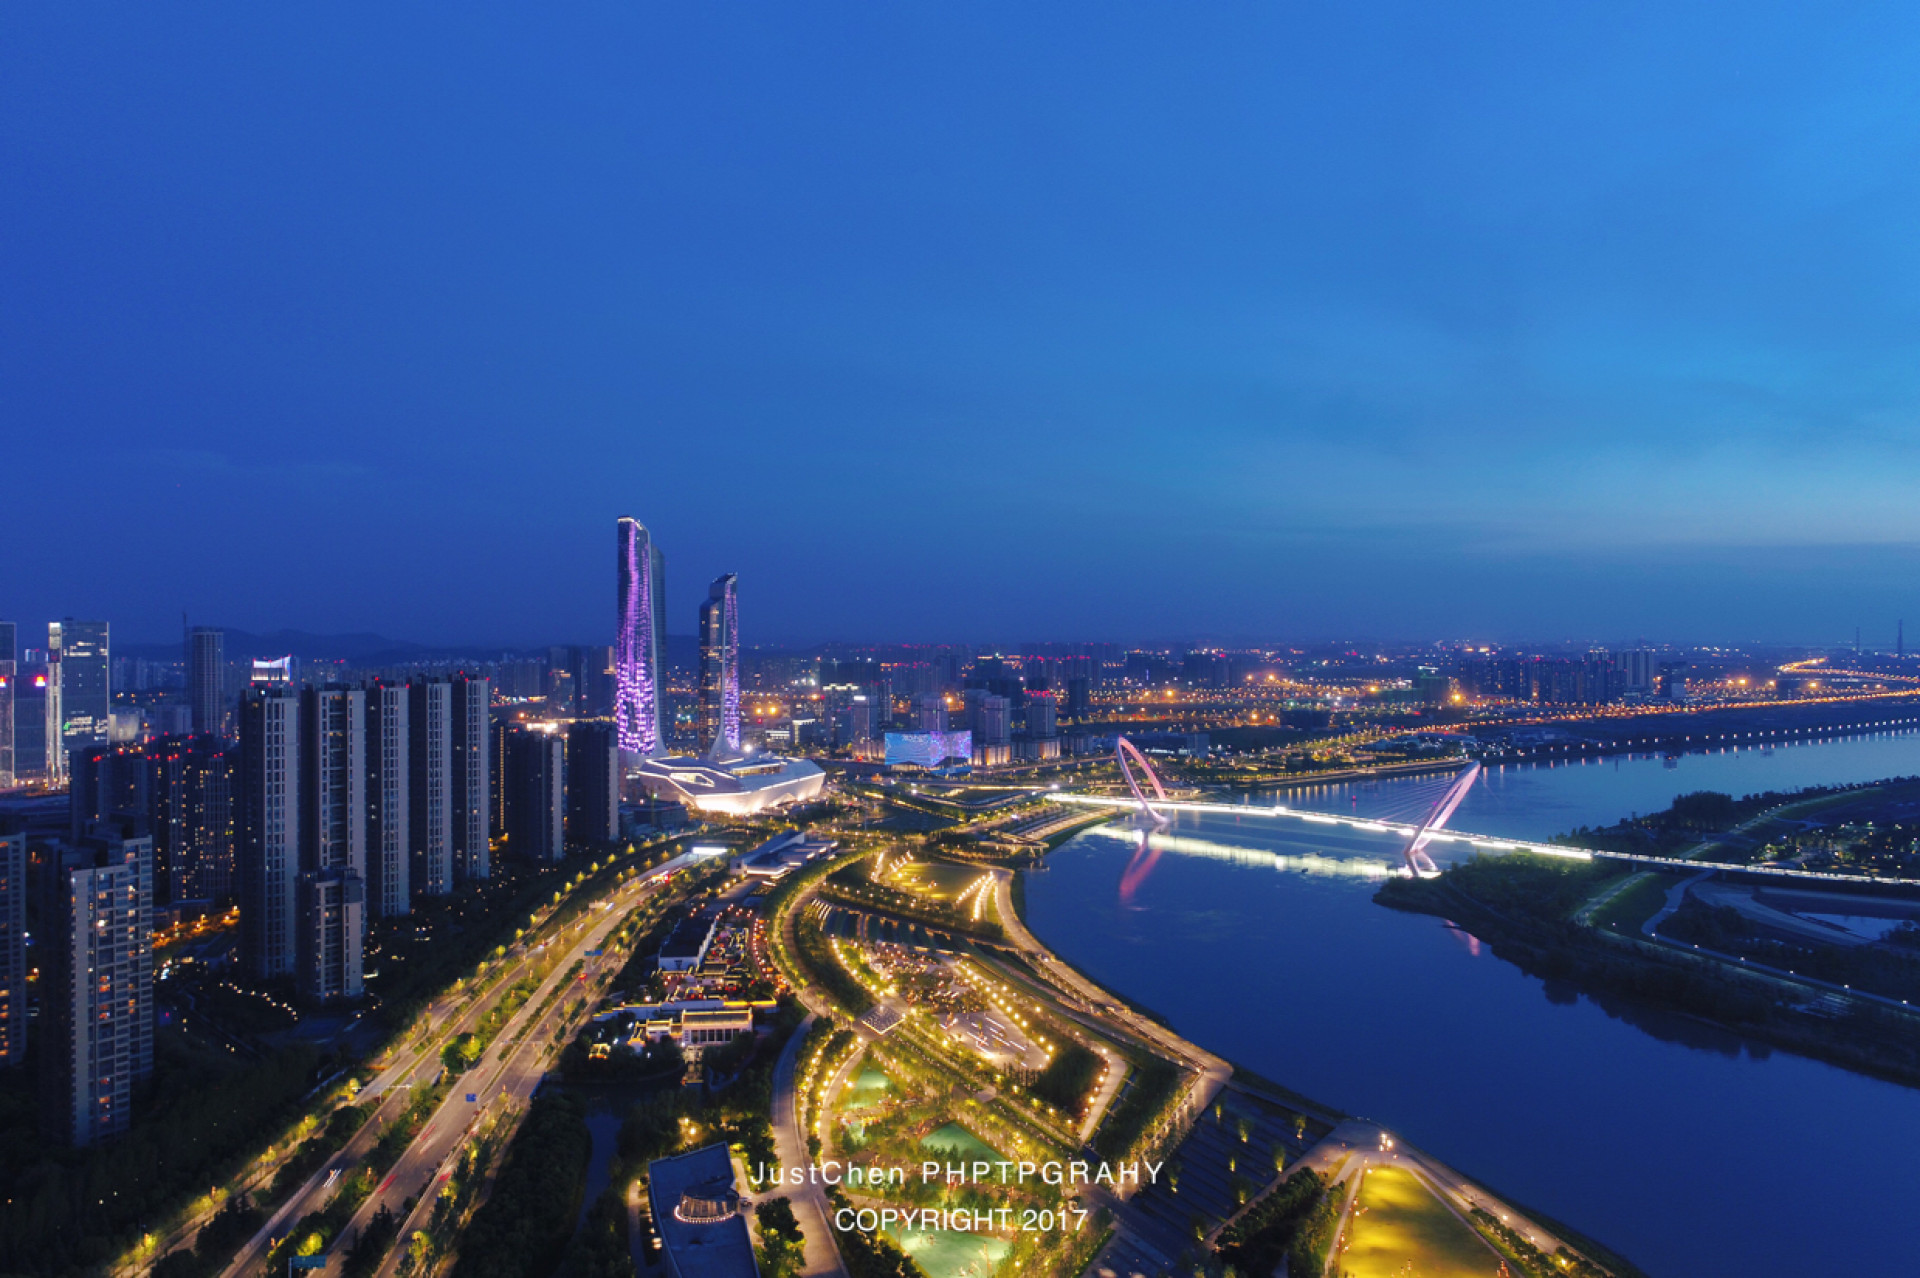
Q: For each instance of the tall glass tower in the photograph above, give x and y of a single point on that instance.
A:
(640, 649)
(720, 668)
(86, 692)
(206, 680)
(6, 713)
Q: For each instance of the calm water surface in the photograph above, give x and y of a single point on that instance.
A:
(1690, 1151)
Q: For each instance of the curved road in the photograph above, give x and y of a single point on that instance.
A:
(809, 1200)
(1211, 1072)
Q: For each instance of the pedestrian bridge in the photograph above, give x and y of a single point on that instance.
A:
(1479, 842)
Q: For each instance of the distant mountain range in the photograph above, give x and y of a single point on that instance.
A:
(361, 649)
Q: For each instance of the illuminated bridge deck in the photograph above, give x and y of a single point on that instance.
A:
(1487, 842)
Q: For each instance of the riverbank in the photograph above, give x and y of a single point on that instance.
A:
(1522, 906)
(1667, 731)
(1243, 1089)
(1262, 940)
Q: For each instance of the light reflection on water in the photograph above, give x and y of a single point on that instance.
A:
(1665, 1138)
(1351, 867)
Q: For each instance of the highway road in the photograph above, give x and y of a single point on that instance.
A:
(391, 1087)
(385, 1084)
(511, 1070)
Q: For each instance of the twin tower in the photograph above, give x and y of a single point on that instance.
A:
(640, 650)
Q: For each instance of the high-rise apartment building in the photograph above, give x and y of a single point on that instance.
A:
(929, 713)
(268, 846)
(13, 947)
(333, 779)
(330, 935)
(97, 984)
(1079, 697)
(190, 810)
(389, 823)
(1205, 668)
(7, 654)
(36, 723)
(502, 732)
(83, 660)
(469, 773)
(1637, 668)
(1042, 715)
(561, 684)
(853, 719)
(105, 783)
(720, 668)
(580, 680)
(536, 794)
(207, 680)
(430, 785)
(596, 681)
(989, 717)
(331, 892)
(593, 783)
(181, 787)
(640, 649)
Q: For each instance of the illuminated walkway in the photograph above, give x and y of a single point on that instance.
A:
(1480, 842)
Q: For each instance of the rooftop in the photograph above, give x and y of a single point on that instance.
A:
(701, 1182)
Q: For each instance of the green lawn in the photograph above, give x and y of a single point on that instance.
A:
(1636, 904)
(1398, 1227)
(939, 882)
(957, 1142)
(951, 1253)
(868, 1087)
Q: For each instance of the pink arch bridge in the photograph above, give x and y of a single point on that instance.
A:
(1145, 854)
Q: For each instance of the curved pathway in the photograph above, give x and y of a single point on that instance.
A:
(810, 1206)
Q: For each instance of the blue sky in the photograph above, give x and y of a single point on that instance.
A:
(972, 322)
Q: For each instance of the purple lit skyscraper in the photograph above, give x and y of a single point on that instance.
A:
(720, 668)
(639, 655)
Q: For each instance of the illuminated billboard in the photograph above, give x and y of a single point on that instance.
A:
(928, 749)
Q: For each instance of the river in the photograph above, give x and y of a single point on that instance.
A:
(1693, 1152)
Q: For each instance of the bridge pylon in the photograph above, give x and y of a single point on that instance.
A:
(1418, 863)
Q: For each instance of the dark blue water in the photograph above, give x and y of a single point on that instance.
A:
(1691, 1152)
(1539, 801)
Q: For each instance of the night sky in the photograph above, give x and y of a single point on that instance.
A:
(965, 322)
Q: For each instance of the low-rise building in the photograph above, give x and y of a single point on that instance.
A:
(785, 851)
(690, 1023)
(710, 1029)
(688, 943)
(733, 787)
(696, 1210)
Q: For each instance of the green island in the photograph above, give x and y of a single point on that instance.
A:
(1708, 938)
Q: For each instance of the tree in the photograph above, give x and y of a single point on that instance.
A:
(783, 1247)
(777, 1218)
(365, 1255)
(462, 1053)
(728, 1057)
(1703, 810)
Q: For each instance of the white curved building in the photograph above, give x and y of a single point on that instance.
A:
(732, 787)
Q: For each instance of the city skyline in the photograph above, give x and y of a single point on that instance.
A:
(1382, 532)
